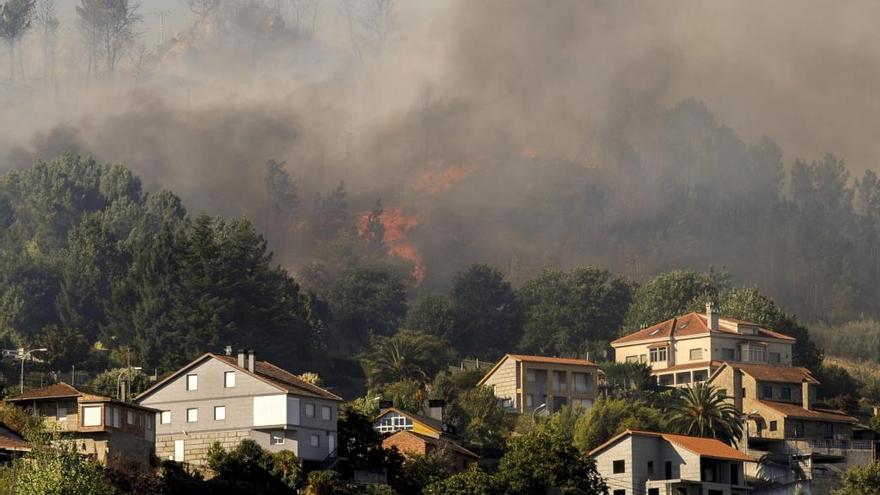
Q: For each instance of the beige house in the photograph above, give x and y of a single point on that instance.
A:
(688, 348)
(116, 433)
(780, 403)
(649, 463)
(526, 383)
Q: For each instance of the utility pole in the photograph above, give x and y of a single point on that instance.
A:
(22, 354)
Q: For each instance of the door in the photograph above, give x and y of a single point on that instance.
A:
(178, 450)
(331, 442)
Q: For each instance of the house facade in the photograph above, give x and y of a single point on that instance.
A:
(649, 463)
(392, 419)
(410, 443)
(116, 433)
(526, 383)
(688, 348)
(225, 399)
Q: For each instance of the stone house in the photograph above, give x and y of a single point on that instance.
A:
(649, 463)
(116, 433)
(526, 383)
(225, 399)
(410, 443)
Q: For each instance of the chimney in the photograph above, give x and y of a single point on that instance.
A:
(805, 395)
(737, 389)
(123, 390)
(711, 317)
(228, 350)
(241, 361)
(251, 361)
(435, 409)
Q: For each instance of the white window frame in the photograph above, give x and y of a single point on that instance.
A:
(326, 413)
(192, 382)
(91, 420)
(229, 379)
(310, 410)
(276, 437)
(192, 415)
(219, 413)
(165, 418)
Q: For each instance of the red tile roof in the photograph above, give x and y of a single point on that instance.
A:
(693, 324)
(550, 360)
(9, 440)
(797, 412)
(436, 442)
(704, 447)
(779, 374)
(63, 390)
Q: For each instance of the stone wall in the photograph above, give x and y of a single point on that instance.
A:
(196, 445)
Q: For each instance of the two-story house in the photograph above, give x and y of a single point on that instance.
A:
(688, 348)
(225, 399)
(416, 434)
(114, 432)
(528, 383)
(649, 463)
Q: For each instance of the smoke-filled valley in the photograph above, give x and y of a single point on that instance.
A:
(638, 137)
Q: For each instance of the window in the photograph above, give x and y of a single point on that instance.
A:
(394, 422)
(773, 425)
(650, 467)
(828, 430)
(148, 421)
(653, 491)
(632, 359)
(775, 357)
(61, 414)
(643, 358)
(192, 382)
(742, 392)
(734, 474)
(658, 354)
(722, 392)
(766, 392)
(229, 379)
(178, 450)
(310, 410)
(219, 413)
(667, 469)
(315, 441)
(91, 416)
(582, 382)
(561, 384)
(584, 404)
(728, 354)
(117, 417)
(619, 466)
(529, 400)
(165, 418)
(276, 438)
(192, 415)
(758, 355)
(798, 429)
(108, 418)
(530, 376)
(786, 392)
(129, 417)
(696, 354)
(619, 492)
(701, 375)
(325, 413)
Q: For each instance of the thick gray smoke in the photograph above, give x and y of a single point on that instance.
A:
(510, 131)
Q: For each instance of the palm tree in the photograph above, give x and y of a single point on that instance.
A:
(406, 355)
(702, 411)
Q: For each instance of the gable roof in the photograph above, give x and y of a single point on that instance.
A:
(703, 447)
(695, 324)
(436, 442)
(536, 359)
(63, 390)
(425, 420)
(795, 411)
(10, 440)
(767, 373)
(263, 370)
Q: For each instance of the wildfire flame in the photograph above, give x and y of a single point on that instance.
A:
(438, 181)
(397, 225)
(528, 152)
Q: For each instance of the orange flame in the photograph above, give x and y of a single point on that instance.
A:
(436, 182)
(528, 152)
(397, 225)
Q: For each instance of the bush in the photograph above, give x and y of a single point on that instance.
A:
(861, 480)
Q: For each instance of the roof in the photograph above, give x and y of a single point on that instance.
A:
(778, 374)
(436, 442)
(701, 446)
(263, 371)
(688, 366)
(695, 324)
(10, 440)
(63, 390)
(537, 359)
(795, 411)
(427, 421)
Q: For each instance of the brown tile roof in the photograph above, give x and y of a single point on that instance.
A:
(282, 378)
(780, 374)
(704, 447)
(263, 370)
(692, 324)
(817, 414)
(57, 391)
(436, 442)
(9, 440)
